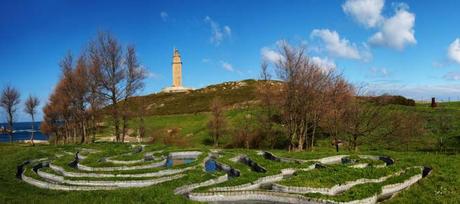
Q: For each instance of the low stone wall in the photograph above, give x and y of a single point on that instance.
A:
(256, 184)
(52, 186)
(121, 168)
(189, 188)
(120, 184)
(184, 155)
(166, 172)
(371, 200)
(339, 188)
(360, 165)
(251, 196)
(389, 190)
(331, 160)
(124, 162)
(232, 196)
(146, 155)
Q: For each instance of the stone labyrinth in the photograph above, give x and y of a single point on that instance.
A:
(226, 175)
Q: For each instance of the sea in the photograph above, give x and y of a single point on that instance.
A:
(22, 131)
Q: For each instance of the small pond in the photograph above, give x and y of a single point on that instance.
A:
(170, 162)
(210, 166)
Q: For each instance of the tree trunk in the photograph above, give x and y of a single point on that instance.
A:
(83, 137)
(33, 131)
(313, 136)
(10, 124)
(124, 127)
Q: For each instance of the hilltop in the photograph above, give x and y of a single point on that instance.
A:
(232, 94)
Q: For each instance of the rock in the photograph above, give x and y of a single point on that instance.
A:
(40, 165)
(254, 166)
(149, 157)
(270, 156)
(319, 166)
(387, 160)
(20, 169)
(426, 171)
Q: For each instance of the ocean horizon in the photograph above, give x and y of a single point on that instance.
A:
(23, 131)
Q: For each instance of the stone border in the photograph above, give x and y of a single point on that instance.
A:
(52, 186)
(166, 172)
(256, 184)
(122, 168)
(242, 196)
(189, 188)
(111, 183)
(146, 155)
(244, 192)
(334, 190)
(325, 160)
(235, 196)
(184, 155)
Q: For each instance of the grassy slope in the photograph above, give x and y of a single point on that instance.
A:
(442, 186)
(231, 94)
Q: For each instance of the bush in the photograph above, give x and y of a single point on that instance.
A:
(389, 100)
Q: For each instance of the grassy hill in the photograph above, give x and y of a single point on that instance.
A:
(232, 94)
(188, 112)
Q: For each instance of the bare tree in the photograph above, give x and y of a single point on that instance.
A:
(101, 77)
(31, 109)
(111, 74)
(95, 100)
(339, 96)
(135, 75)
(363, 119)
(119, 77)
(266, 95)
(217, 122)
(304, 94)
(9, 100)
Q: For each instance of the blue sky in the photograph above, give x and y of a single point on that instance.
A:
(401, 47)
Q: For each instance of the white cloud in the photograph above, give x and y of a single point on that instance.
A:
(227, 66)
(397, 31)
(271, 55)
(453, 52)
(164, 16)
(379, 72)
(218, 34)
(206, 60)
(325, 63)
(454, 76)
(365, 12)
(335, 45)
(227, 30)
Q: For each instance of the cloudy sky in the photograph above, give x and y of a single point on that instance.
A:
(405, 47)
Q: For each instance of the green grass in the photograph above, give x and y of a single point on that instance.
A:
(335, 174)
(366, 190)
(442, 186)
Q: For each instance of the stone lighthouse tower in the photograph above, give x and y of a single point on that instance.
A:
(176, 75)
(177, 69)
